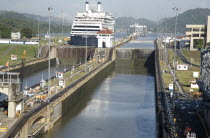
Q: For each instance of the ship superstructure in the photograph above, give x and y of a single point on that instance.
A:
(93, 28)
(139, 30)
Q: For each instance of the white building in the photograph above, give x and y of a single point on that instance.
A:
(59, 75)
(196, 32)
(182, 67)
(105, 38)
(14, 57)
(195, 74)
(193, 84)
(15, 35)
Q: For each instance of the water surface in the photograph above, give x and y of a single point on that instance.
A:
(121, 106)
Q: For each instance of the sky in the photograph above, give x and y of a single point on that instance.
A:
(149, 9)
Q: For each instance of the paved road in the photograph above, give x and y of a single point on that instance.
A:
(184, 59)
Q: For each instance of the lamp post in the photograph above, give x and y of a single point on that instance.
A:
(165, 20)
(86, 47)
(175, 9)
(62, 28)
(38, 38)
(49, 77)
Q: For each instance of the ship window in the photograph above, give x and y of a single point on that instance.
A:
(83, 30)
(86, 26)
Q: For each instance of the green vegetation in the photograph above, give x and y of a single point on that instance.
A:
(13, 21)
(6, 50)
(195, 55)
(168, 79)
(186, 75)
(171, 57)
(5, 31)
(27, 32)
(200, 44)
(193, 16)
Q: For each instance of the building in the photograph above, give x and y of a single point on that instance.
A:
(182, 43)
(182, 67)
(193, 84)
(196, 32)
(139, 30)
(15, 35)
(105, 38)
(59, 75)
(14, 57)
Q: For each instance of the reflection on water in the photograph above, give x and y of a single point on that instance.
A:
(35, 77)
(122, 106)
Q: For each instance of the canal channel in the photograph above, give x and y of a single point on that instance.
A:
(119, 104)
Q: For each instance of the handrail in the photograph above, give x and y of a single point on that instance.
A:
(16, 65)
(162, 88)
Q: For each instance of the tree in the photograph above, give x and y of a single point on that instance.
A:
(200, 43)
(5, 32)
(26, 32)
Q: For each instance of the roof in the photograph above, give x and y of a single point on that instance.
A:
(60, 72)
(106, 31)
(182, 64)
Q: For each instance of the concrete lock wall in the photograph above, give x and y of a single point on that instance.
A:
(35, 67)
(68, 52)
(51, 110)
(133, 53)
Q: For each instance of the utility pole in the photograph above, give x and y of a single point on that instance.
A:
(86, 47)
(175, 9)
(165, 44)
(38, 39)
(62, 28)
(49, 76)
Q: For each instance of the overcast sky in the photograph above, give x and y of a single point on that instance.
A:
(150, 9)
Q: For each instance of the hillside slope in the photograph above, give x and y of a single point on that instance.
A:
(123, 23)
(13, 21)
(194, 16)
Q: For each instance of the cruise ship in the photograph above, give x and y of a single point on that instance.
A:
(93, 27)
(139, 30)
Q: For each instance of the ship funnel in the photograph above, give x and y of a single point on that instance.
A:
(99, 6)
(87, 6)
